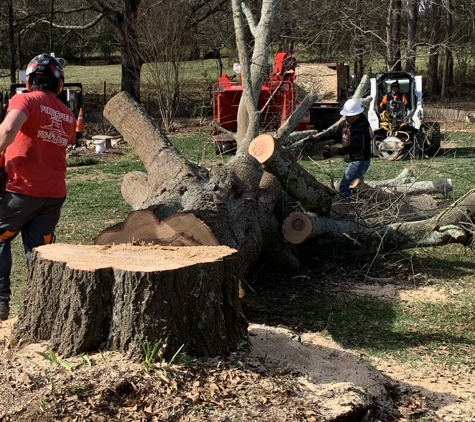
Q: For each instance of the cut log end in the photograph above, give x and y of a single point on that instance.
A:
(297, 228)
(262, 147)
(142, 227)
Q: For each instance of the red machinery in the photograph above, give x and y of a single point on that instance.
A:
(276, 102)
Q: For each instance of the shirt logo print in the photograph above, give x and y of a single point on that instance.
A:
(54, 132)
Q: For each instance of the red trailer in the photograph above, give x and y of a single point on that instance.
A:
(276, 101)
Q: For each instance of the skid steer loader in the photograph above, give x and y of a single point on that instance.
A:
(399, 129)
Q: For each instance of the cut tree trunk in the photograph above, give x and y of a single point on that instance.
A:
(83, 298)
(312, 195)
(453, 225)
(143, 228)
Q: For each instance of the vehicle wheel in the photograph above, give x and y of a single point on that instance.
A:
(431, 131)
(218, 148)
(228, 148)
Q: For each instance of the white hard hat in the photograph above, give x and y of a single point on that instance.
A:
(352, 108)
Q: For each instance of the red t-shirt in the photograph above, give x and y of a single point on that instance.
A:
(36, 160)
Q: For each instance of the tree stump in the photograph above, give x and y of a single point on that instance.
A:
(83, 298)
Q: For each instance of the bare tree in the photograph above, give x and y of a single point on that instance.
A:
(393, 35)
(432, 81)
(413, 10)
(166, 45)
(448, 64)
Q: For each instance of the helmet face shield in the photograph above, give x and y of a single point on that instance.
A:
(47, 68)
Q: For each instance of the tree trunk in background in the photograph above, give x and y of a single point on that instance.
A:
(393, 35)
(432, 82)
(413, 10)
(131, 60)
(448, 67)
(125, 21)
(11, 38)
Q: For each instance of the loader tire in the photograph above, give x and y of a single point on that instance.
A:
(431, 138)
(223, 148)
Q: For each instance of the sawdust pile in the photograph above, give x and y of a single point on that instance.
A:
(317, 78)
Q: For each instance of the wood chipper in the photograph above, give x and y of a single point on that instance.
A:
(276, 100)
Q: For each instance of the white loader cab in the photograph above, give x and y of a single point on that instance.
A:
(399, 128)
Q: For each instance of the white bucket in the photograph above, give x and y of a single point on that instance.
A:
(100, 146)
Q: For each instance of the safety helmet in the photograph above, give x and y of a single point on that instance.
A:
(395, 85)
(352, 108)
(45, 68)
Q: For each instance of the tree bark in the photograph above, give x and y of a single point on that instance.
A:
(227, 198)
(298, 183)
(393, 35)
(453, 225)
(82, 298)
(443, 186)
(413, 12)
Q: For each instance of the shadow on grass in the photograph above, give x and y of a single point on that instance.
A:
(337, 299)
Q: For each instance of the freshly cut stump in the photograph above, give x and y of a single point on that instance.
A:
(83, 298)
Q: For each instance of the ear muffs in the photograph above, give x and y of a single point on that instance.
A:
(60, 86)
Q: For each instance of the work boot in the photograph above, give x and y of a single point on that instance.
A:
(4, 311)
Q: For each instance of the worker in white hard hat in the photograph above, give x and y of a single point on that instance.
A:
(355, 135)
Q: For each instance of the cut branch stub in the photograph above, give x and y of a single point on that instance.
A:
(297, 228)
(142, 227)
(296, 181)
(81, 298)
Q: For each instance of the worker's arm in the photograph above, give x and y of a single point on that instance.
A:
(10, 126)
(333, 133)
(383, 101)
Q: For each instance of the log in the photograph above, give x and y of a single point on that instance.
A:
(345, 235)
(296, 181)
(443, 186)
(406, 176)
(83, 298)
(299, 227)
(162, 160)
(142, 227)
(135, 189)
(373, 189)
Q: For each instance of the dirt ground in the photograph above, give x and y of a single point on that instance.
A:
(287, 376)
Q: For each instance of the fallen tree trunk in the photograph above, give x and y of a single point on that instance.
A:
(453, 225)
(82, 298)
(443, 186)
(312, 195)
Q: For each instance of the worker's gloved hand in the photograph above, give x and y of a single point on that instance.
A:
(315, 138)
(330, 153)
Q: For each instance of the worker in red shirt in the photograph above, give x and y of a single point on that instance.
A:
(34, 136)
(394, 94)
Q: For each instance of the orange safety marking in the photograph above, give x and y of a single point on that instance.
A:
(48, 239)
(7, 235)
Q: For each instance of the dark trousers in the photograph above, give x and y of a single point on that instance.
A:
(35, 218)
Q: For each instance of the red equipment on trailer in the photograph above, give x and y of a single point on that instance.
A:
(276, 102)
